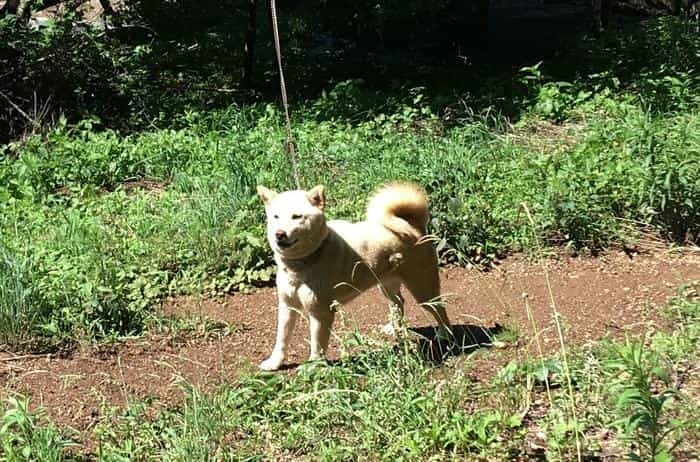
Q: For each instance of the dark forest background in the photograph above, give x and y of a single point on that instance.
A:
(135, 64)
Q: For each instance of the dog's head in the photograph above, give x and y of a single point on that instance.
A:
(296, 225)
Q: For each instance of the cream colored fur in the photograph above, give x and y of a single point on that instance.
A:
(319, 262)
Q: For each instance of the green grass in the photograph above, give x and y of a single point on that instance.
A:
(383, 403)
(20, 307)
(97, 227)
(26, 435)
(102, 251)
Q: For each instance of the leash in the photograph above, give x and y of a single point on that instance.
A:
(289, 144)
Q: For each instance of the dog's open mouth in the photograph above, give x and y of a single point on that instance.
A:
(286, 243)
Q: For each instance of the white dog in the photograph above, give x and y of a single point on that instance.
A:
(320, 263)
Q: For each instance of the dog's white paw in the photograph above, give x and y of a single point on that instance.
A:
(272, 363)
(388, 329)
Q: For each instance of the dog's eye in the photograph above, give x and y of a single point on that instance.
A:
(275, 216)
(296, 216)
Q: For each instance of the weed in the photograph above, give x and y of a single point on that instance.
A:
(376, 403)
(644, 391)
(20, 308)
(24, 435)
(104, 251)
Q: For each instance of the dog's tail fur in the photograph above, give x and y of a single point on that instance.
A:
(402, 208)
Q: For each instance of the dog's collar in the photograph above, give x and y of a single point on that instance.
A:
(310, 257)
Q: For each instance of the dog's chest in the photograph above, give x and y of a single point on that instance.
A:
(296, 289)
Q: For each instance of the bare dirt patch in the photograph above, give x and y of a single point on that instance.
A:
(609, 295)
(547, 137)
(155, 187)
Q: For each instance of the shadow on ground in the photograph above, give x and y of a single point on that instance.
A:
(465, 339)
(427, 344)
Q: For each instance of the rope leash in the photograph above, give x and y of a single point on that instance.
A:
(289, 144)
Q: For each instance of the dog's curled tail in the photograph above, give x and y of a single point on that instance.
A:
(402, 208)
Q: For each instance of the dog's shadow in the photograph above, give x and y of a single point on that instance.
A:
(436, 347)
(430, 345)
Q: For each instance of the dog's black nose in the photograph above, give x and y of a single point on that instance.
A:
(280, 235)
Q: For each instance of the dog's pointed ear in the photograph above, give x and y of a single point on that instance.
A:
(266, 195)
(317, 197)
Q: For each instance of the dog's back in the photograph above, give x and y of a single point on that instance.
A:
(386, 245)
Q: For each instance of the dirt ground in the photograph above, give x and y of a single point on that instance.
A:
(596, 297)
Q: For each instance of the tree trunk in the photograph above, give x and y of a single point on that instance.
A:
(605, 13)
(25, 11)
(107, 8)
(675, 6)
(602, 9)
(10, 7)
(249, 47)
(481, 13)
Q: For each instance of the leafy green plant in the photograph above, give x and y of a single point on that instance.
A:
(379, 399)
(643, 392)
(560, 433)
(685, 308)
(555, 100)
(374, 402)
(25, 437)
(531, 373)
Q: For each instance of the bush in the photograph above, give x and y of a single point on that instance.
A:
(61, 68)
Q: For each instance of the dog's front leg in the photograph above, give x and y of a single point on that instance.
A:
(320, 323)
(286, 320)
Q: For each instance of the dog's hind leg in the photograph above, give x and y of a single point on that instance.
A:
(422, 279)
(391, 289)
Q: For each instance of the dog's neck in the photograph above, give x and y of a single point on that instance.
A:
(310, 257)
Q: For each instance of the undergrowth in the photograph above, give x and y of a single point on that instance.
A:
(26, 435)
(105, 226)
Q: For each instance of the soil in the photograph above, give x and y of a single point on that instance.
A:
(596, 297)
